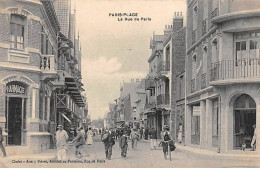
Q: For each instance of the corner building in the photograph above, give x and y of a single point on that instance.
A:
(222, 74)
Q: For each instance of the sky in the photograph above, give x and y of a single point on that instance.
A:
(116, 51)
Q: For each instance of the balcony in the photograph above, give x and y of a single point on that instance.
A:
(193, 89)
(163, 99)
(149, 83)
(203, 81)
(204, 26)
(163, 66)
(194, 36)
(214, 13)
(246, 70)
(48, 67)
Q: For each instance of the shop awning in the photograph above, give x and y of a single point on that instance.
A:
(65, 117)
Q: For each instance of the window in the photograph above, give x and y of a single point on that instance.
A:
(214, 51)
(181, 89)
(42, 41)
(254, 49)
(204, 61)
(195, 17)
(17, 32)
(241, 50)
(194, 66)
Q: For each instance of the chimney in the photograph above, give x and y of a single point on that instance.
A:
(168, 29)
(177, 21)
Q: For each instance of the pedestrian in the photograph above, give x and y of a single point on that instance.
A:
(253, 142)
(123, 144)
(108, 139)
(1, 142)
(153, 138)
(180, 134)
(61, 140)
(134, 136)
(89, 137)
(141, 133)
(165, 138)
(146, 132)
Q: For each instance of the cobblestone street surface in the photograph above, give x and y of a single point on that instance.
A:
(143, 157)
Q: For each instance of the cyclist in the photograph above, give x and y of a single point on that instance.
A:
(79, 140)
(166, 137)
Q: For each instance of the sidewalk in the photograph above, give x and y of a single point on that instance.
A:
(234, 154)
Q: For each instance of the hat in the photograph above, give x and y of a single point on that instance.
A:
(59, 126)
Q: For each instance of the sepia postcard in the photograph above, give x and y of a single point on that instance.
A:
(129, 83)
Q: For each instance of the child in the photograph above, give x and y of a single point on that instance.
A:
(123, 144)
(243, 147)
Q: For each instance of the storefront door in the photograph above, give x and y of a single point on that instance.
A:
(16, 120)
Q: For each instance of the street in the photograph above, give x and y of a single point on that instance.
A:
(143, 157)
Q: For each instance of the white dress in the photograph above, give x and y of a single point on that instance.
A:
(180, 134)
(89, 137)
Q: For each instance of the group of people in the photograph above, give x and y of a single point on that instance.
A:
(62, 141)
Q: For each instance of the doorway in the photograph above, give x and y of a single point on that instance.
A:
(244, 119)
(14, 121)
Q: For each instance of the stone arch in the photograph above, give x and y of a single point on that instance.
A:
(20, 78)
(233, 97)
(19, 10)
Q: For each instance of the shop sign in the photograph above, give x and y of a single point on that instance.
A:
(196, 111)
(15, 88)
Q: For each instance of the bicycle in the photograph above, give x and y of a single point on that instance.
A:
(81, 153)
(169, 149)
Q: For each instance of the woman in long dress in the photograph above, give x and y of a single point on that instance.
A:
(180, 134)
(89, 137)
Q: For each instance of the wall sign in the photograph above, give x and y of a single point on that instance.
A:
(15, 89)
(196, 110)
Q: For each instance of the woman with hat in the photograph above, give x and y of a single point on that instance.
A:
(253, 142)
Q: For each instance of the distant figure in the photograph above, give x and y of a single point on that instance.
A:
(180, 134)
(153, 138)
(134, 136)
(1, 142)
(61, 140)
(123, 144)
(253, 142)
(146, 132)
(89, 137)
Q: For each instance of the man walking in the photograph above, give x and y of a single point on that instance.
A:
(1, 142)
(123, 144)
(153, 138)
(109, 140)
(61, 140)
(134, 136)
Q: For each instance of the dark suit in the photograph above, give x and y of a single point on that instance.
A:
(109, 144)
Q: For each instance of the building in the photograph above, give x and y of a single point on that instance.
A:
(174, 51)
(157, 84)
(222, 73)
(34, 73)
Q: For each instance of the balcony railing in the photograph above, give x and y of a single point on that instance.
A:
(214, 13)
(164, 66)
(204, 26)
(203, 81)
(193, 86)
(163, 99)
(194, 36)
(47, 63)
(235, 69)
